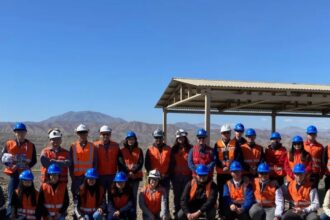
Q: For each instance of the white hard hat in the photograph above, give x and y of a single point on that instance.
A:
(154, 174)
(105, 128)
(55, 133)
(225, 128)
(7, 159)
(158, 133)
(82, 127)
(181, 133)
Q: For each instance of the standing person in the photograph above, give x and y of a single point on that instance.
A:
(158, 157)
(199, 196)
(55, 154)
(201, 153)
(107, 157)
(326, 207)
(315, 149)
(89, 202)
(275, 156)
(131, 162)
(83, 155)
(302, 196)
(239, 130)
(181, 173)
(25, 198)
(18, 154)
(53, 199)
(269, 196)
(153, 200)
(297, 154)
(121, 201)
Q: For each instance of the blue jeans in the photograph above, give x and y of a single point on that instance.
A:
(324, 217)
(12, 186)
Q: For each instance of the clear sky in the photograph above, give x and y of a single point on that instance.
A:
(117, 57)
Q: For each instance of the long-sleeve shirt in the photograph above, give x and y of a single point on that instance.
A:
(45, 161)
(191, 163)
(279, 202)
(326, 203)
(163, 207)
(248, 197)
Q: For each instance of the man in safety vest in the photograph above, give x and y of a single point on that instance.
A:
(239, 130)
(268, 195)
(199, 196)
(83, 155)
(17, 155)
(303, 198)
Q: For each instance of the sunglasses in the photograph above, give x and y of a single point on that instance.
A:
(105, 134)
(201, 138)
(226, 132)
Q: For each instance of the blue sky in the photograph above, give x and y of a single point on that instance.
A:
(117, 57)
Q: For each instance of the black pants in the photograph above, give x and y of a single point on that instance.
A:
(315, 179)
(221, 180)
(279, 179)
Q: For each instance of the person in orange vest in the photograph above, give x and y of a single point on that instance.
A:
(302, 197)
(53, 199)
(275, 156)
(55, 154)
(121, 201)
(153, 200)
(158, 157)
(107, 157)
(89, 202)
(315, 149)
(297, 154)
(25, 198)
(199, 196)
(239, 130)
(268, 195)
(253, 153)
(17, 155)
(131, 161)
(237, 194)
(83, 155)
(181, 173)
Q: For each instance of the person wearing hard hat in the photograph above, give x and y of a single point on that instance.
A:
(55, 154)
(237, 194)
(121, 201)
(239, 131)
(83, 155)
(89, 202)
(181, 173)
(302, 196)
(275, 156)
(297, 154)
(315, 149)
(153, 200)
(25, 198)
(201, 153)
(226, 150)
(53, 200)
(107, 157)
(269, 196)
(17, 155)
(199, 196)
(253, 153)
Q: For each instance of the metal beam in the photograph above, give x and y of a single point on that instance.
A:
(305, 107)
(165, 124)
(273, 121)
(207, 115)
(184, 101)
(244, 105)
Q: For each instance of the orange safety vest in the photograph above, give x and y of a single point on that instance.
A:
(296, 159)
(237, 194)
(54, 199)
(221, 148)
(62, 154)
(82, 158)
(160, 161)
(299, 198)
(27, 210)
(266, 197)
(131, 159)
(273, 157)
(194, 188)
(120, 201)
(251, 156)
(328, 164)
(90, 205)
(23, 154)
(316, 152)
(107, 158)
(181, 162)
(153, 199)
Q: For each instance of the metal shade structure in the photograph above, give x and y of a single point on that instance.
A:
(199, 96)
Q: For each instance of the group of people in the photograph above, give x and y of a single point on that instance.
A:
(252, 182)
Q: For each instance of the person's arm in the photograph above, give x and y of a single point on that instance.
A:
(121, 163)
(315, 204)
(288, 168)
(164, 204)
(71, 167)
(137, 167)
(323, 168)
(190, 161)
(218, 163)
(212, 163)
(279, 202)
(65, 204)
(238, 154)
(45, 161)
(185, 198)
(147, 162)
(3, 151)
(34, 157)
(41, 210)
(209, 204)
(226, 196)
(326, 203)
(325, 158)
(144, 207)
(248, 198)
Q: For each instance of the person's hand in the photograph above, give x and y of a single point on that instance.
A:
(196, 215)
(239, 211)
(130, 174)
(276, 218)
(233, 207)
(189, 216)
(225, 169)
(82, 218)
(116, 214)
(298, 211)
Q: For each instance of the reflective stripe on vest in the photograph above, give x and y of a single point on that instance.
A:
(80, 166)
(237, 194)
(251, 155)
(160, 161)
(153, 199)
(316, 152)
(266, 197)
(221, 149)
(107, 158)
(299, 198)
(131, 159)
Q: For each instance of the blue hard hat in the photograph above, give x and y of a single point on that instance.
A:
(235, 166)
(263, 168)
(275, 135)
(250, 132)
(26, 175)
(239, 127)
(201, 133)
(299, 168)
(202, 170)
(120, 177)
(53, 169)
(130, 134)
(19, 126)
(91, 173)
(297, 139)
(311, 129)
